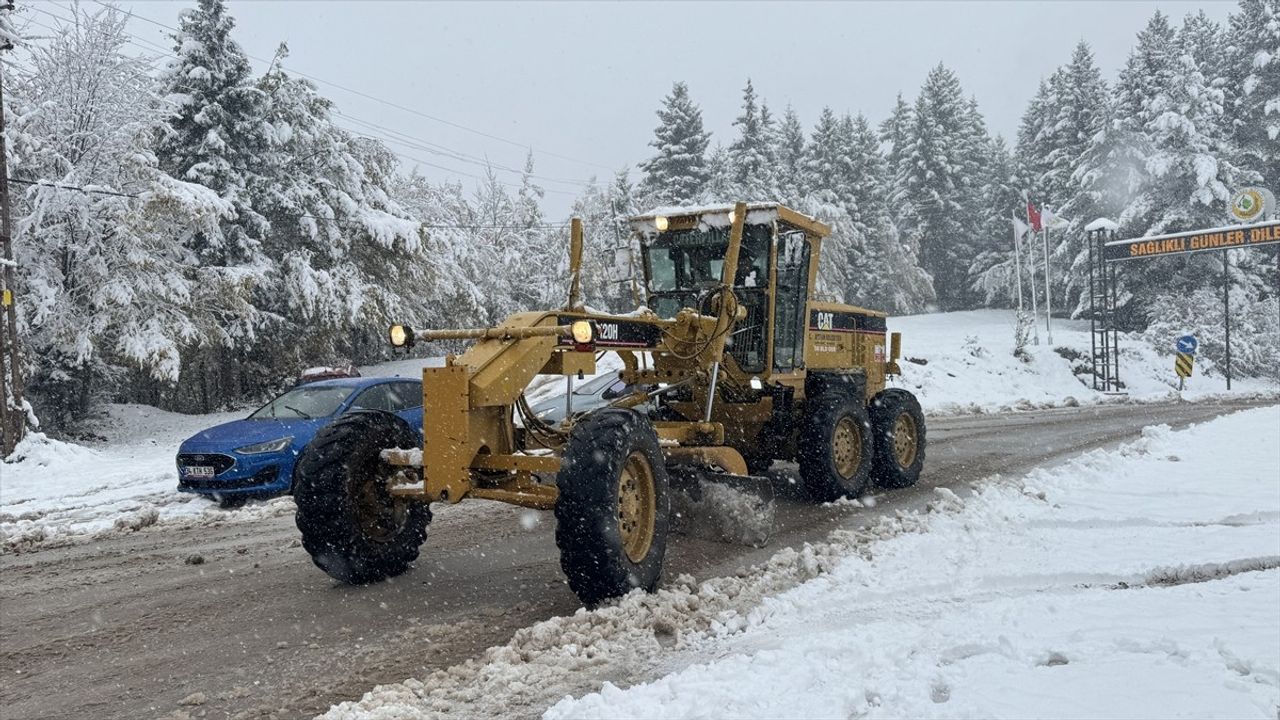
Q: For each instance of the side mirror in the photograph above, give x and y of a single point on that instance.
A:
(621, 268)
(791, 253)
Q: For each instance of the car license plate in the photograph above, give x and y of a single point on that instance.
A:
(200, 471)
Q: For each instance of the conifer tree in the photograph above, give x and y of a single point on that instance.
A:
(751, 154)
(944, 159)
(1254, 101)
(216, 134)
(790, 153)
(678, 172)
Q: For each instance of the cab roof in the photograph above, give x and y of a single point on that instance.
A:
(758, 213)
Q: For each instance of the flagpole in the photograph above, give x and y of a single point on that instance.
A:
(1048, 287)
(1031, 258)
(1017, 258)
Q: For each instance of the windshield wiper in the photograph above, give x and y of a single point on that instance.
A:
(290, 407)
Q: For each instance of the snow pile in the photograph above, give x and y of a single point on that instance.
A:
(1136, 583)
(963, 362)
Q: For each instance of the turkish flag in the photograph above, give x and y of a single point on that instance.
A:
(1033, 217)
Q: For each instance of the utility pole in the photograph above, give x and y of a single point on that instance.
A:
(13, 420)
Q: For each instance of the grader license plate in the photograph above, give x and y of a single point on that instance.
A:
(200, 471)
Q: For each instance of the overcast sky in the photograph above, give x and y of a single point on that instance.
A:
(579, 82)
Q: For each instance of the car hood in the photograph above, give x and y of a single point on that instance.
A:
(238, 433)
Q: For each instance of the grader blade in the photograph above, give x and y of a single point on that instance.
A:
(735, 509)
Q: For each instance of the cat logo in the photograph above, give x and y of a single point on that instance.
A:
(826, 320)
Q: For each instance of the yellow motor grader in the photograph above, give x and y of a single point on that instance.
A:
(731, 364)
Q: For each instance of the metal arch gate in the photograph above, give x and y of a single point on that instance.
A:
(1104, 336)
(1105, 250)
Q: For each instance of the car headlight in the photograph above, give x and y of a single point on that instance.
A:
(582, 332)
(266, 447)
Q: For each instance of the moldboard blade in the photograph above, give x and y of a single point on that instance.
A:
(728, 508)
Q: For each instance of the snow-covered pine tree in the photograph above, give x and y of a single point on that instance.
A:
(719, 186)
(678, 172)
(1032, 150)
(538, 246)
(1081, 115)
(1192, 179)
(916, 288)
(994, 270)
(894, 137)
(944, 159)
(339, 245)
(217, 137)
(884, 273)
(1254, 101)
(455, 300)
(604, 210)
(1188, 177)
(491, 243)
(217, 134)
(826, 178)
(751, 154)
(790, 153)
(102, 289)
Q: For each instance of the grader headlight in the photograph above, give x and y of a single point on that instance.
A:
(582, 332)
(401, 336)
(660, 223)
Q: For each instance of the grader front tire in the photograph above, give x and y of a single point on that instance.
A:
(351, 526)
(614, 508)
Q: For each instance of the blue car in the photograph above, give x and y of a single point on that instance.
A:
(254, 457)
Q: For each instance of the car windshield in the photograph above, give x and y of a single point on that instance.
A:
(304, 402)
(596, 385)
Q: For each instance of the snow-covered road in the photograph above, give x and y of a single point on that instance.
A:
(133, 622)
(1139, 583)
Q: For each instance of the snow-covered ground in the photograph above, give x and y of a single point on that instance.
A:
(60, 492)
(969, 366)
(63, 492)
(1136, 583)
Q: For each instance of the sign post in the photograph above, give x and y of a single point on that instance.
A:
(1184, 358)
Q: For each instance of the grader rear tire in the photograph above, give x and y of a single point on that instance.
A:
(898, 424)
(835, 447)
(614, 508)
(351, 526)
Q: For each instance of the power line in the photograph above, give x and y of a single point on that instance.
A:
(389, 103)
(417, 143)
(430, 226)
(421, 144)
(404, 157)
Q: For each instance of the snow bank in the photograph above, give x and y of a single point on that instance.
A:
(1137, 583)
(963, 362)
(56, 493)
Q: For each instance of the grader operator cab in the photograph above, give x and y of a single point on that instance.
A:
(734, 365)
